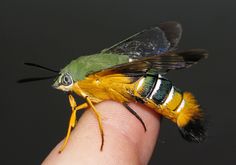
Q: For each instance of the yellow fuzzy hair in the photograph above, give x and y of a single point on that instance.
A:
(190, 111)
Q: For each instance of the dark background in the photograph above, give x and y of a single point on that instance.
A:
(34, 116)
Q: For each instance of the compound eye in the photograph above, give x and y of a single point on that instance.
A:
(66, 80)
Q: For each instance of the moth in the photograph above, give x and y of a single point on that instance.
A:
(134, 70)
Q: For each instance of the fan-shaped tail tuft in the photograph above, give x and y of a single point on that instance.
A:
(190, 121)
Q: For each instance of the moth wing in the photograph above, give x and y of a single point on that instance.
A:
(162, 63)
(149, 42)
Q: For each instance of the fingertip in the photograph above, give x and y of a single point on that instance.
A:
(124, 136)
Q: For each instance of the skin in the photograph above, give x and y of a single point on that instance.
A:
(125, 139)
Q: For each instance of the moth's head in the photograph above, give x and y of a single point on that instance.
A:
(68, 76)
(65, 78)
(64, 82)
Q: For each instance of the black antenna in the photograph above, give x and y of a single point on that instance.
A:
(25, 80)
(39, 66)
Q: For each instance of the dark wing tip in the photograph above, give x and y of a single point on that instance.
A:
(173, 31)
(194, 55)
(194, 131)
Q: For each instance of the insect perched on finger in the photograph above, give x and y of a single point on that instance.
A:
(133, 71)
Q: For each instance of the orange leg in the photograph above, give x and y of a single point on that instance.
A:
(72, 121)
(98, 116)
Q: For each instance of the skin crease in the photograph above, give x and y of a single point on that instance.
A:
(125, 140)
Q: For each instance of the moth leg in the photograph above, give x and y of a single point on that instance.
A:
(72, 121)
(98, 116)
(135, 114)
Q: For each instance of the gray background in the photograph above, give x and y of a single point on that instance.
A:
(34, 116)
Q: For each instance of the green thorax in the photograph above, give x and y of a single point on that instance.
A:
(85, 65)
